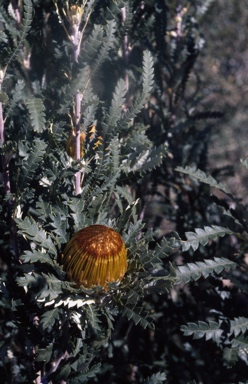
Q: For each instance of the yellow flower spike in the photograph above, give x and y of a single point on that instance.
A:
(95, 255)
(71, 144)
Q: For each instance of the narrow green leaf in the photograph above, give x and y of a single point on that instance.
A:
(156, 378)
(202, 236)
(36, 111)
(93, 316)
(116, 108)
(89, 373)
(193, 271)
(31, 230)
(202, 177)
(230, 356)
(34, 256)
(105, 46)
(210, 330)
(25, 26)
(148, 74)
(239, 325)
(136, 315)
(32, 160)
(48, 318)
(241, 342)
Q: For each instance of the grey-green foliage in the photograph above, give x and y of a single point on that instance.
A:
(157, 378)
(202, 177)
(193, 271)
(113, 158)
(202, 236)
(27, 16)
(147, 84)
(29, 228)
(36, 111)
(202, 8)
(17, 97)
(99, 44)
(47, 212)
(67, 330)
(237, 328)
(32, 157)
(215, 331)
(210, 330)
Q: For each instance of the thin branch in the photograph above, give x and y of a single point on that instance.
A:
(76, 38)
(125, 47)
(54, 366)
(4, 158)
(126, 53)
(78, 100)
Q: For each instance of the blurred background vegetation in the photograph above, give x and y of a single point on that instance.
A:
(223, 70)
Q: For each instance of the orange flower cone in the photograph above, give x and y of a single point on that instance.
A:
(95, 255)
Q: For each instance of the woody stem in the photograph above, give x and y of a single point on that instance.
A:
(78, 100)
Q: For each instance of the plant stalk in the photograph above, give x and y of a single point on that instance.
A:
(4, 158)
(76, 38)
(126, 52)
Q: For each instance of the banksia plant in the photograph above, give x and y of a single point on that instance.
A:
(96, 255)
(118, 70)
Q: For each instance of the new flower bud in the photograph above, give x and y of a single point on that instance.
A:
(71, 144)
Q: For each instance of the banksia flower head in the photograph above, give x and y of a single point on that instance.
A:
(95, 255)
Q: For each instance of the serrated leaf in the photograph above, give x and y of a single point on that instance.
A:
(123, 191)
(107, 44)
(241, 342)
(43, 209)
(133, 235)
(136, 314)
(29, 279)
(25, 26)
(148, 73)
(93, 316)
(60, 227)
(165, 248)
(77, 206)
(202, 236)
(16, 98)
(193, 271)
(148, 81)
(230, 356)
(202, 177)
(31, 230)
(32, 160)
(147, 160)
(210, 330)
(115, 111)
(157, 378)
(48, 318)
(36, 111)
(239, 325)
(34, 256)
(85, 376)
